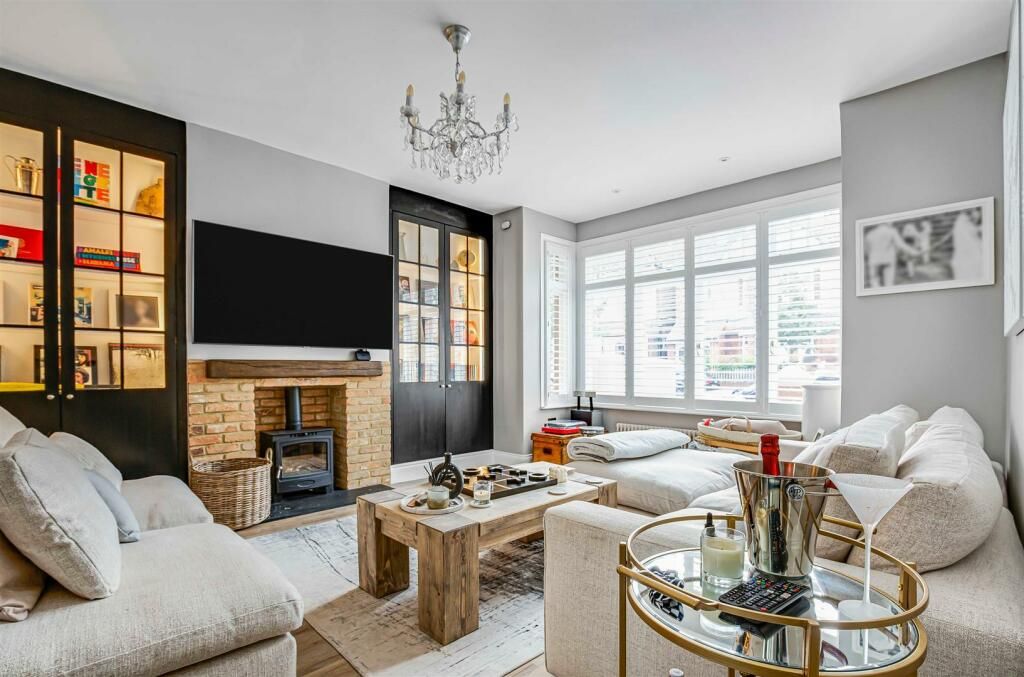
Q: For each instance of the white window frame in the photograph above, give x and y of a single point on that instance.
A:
(759, 213)
(551, 400)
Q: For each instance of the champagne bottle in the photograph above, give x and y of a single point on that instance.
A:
(770, 454)
(778, 552)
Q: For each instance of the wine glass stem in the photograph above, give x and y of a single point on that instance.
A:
(868, 528)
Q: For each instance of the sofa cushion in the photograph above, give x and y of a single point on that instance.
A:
(668, 481)
(89, 456)
(188, 594)
(127, 525)
(952, 507)
(958, 416)
(722, 501)
(885, 431)
(162, 501)
(9, 424)
(51, 513)
(21, 583)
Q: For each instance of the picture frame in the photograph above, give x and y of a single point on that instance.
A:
(405, 290)
(83, 306)
(86, 365)
(143, 365)
(948, 246)
(36, 299)
(140, 312)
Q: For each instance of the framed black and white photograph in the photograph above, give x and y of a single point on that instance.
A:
(942, 247)
(137, 311)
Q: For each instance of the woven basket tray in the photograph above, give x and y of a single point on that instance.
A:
(740, 433)
(236, 491)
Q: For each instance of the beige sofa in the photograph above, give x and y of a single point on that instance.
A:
(975, 620)
(194, 599)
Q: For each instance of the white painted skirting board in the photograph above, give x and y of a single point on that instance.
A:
(407, 472)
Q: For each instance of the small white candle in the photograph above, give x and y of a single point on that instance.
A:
(722, 557)
(481, 494)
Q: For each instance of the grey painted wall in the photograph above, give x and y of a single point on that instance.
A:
(517, 325)
(820, 174)
(242, 183)
(933, 141)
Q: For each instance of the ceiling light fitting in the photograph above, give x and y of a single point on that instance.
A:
(456, 145)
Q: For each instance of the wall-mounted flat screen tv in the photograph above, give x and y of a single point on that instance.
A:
(254, 288)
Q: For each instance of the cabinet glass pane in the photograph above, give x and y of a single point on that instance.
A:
(408, 321)
(141, 307)
(459, 292)
(408, 282)
(430, 327)
(143, 244)
(140, 361)
(457, 366)
(476, 255)
(408, 241)
(458, 255)
(408, 363)
(143, 186)
(431, 364)
(21, 228)
(19, 369)
(21, 150)
(94, 366)
(475, 328)
(459, 330)
(429, 240)
(475, 368)
(97, 176)
(476, 297)
(428, 285)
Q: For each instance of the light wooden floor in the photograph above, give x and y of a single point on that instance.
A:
(316, 657)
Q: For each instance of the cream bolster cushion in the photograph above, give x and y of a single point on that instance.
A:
(951, 509)
(88, 456)
(21, 583)
(9, 424)
(50, 511)
(127, 525)
(626, 444)
(886, 430)
(958, 416)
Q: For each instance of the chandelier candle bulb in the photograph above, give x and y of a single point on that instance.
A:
(408, 95)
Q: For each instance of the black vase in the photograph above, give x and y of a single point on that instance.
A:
(449, 475)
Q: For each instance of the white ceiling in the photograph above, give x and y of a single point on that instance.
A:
(639, 97)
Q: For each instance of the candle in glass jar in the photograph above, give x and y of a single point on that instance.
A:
(482, 491)
(722, 557)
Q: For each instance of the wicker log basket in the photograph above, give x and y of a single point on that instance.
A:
(236, 491)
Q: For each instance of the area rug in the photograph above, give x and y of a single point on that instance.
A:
(382, 636)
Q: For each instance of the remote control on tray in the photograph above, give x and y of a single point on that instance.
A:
(764, 593)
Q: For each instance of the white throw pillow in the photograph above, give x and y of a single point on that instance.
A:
(958, 416)
(722, 501)
(88, 456)
(950, 511)
(9, 424)
(50, 511)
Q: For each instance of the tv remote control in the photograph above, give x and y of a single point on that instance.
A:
(764, 593)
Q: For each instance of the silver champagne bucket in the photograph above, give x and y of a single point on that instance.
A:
(782, 515)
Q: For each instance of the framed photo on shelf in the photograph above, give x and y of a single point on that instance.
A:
(472, 333)
(943, 247)
(86, 366)
(143, 365)
(137, 311)
(405, 292)
(35, 303)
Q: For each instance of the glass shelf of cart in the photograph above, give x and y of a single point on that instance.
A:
(21, 150)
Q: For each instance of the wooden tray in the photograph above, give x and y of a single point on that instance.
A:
(502, 484)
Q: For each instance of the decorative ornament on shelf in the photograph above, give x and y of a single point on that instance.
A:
(151, 200)
(456, 144)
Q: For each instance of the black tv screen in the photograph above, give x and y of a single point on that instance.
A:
(261, 289)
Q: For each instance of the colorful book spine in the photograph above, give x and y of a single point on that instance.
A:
(107, 259)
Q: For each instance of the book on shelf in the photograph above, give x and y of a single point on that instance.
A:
(560, 431)
(107, 259)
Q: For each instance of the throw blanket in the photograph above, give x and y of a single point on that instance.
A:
(629, 444)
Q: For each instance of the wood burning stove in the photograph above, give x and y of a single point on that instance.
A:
(303, 457)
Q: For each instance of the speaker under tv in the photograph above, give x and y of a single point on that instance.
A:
(254, 288)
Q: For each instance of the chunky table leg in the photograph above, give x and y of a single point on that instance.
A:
(449, 576)
(383, 562)
(608, 494)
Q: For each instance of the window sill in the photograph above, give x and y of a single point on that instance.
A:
(720, 413)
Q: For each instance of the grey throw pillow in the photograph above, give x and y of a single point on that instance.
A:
(127, 525)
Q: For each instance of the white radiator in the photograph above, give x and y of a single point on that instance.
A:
(623, 427)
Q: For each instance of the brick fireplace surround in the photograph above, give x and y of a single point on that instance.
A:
(225, 416)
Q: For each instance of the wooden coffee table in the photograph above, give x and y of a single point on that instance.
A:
(449, 547)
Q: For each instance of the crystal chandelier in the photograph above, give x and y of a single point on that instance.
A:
(456, 144)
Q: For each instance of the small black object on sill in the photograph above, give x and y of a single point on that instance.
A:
(362, 355)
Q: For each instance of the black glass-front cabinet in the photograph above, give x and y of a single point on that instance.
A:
(91, 303)
(441, 357)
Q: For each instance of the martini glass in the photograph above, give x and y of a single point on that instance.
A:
(870, 497)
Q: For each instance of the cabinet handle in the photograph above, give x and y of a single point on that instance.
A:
(448, 386)
(51, 396)
(70, 396)
(440, 385)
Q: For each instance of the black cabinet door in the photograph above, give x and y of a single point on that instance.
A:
(118, 301)
(441, 372)
(28, 271)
